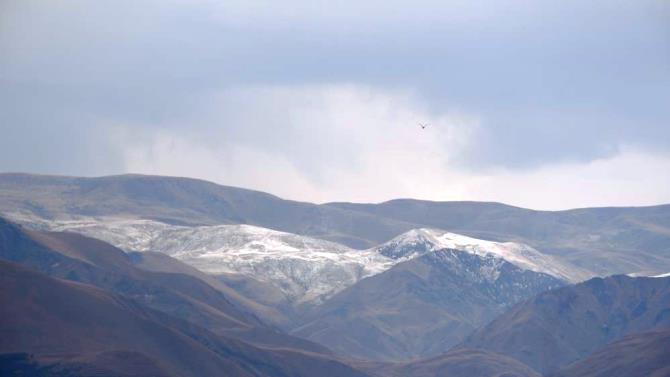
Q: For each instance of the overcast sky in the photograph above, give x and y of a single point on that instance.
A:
(541, 104)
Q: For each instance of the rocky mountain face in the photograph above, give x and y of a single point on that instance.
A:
(418, 242)
(563, 325)
(421, 307)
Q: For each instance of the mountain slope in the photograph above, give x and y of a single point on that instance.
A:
(420, 307)
(159, 262)
(78, 258)
(45, 316)
(560, 326)
(637, 355)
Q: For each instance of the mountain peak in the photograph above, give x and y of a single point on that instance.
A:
(420, 241)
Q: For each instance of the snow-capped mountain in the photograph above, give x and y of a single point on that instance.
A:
(304, 269)
(422, 241)
(426, 304)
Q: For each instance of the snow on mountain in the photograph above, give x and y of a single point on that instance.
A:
(305, 269)
(418, 242)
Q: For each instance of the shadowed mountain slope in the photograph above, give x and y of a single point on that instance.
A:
(638, 355)
(50, 317)
(563, 325)
(100, 364)
(159, 262)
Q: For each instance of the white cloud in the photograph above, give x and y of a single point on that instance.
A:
(633, 177)
(170, 154)
(324, 143)
(354, 143)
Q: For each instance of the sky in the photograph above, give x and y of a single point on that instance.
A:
(540, 104)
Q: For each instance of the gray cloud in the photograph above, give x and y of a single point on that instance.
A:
(549, 82)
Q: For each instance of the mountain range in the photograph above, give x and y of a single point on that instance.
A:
(605, 241)
(270, 287)
(59, 288)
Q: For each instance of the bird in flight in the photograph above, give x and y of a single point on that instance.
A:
(423, 125)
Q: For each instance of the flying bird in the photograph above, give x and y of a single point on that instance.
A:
(423, 125)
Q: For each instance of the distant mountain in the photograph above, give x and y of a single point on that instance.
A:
(69, 326)
(563, 325)
(184, 201)
(604, 241)
(424, 305)
(637, 355)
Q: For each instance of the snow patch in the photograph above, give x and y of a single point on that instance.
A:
(420, 241)
(305, 269)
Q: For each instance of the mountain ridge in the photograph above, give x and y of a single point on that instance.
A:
(596, 239)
